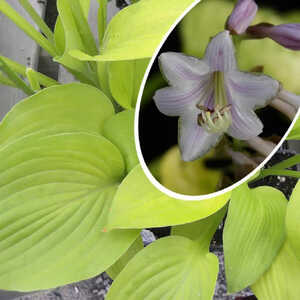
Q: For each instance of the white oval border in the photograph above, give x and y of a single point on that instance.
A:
(137, 140)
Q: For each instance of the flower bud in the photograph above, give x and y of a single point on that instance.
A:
(241, 16)
(287, 35)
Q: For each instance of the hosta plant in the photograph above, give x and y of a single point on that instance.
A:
(74, 198)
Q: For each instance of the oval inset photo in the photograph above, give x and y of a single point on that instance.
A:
(219, 97)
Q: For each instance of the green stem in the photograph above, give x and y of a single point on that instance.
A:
(287, 163)
(23, 24)
(37, 19)
(13, 76)
(20, 69)
(6, 81)
(102, 19)
(278, 172)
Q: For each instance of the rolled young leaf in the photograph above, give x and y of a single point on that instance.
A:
(253, 234)
(171, 268)
(70, 34)
(102, 19)
(135, 33)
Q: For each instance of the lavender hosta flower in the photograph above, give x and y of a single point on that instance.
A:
(287, 35)
(212, 97)
(241, 17)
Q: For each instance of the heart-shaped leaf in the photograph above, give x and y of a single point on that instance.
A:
(125, 78)
(281, 281)
(139, 204)
(137, 30)
(55, 195)
(293, 220)
(119, 129)
(171, 268)
(253, 234)
(71, 107)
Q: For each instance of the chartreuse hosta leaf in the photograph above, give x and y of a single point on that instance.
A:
(172, 268)
(119, 265)
(202, 230)
(137, 30)
(293, 221)
(281, 281)
(57, 182)
(139, 204)
(55, 194)
(119, 129)
(295, 132)
(125, 78)
(253, 234)
(71, 107)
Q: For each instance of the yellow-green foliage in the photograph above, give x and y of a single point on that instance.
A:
(208, 18)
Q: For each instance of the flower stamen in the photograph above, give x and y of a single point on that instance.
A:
(216, 121)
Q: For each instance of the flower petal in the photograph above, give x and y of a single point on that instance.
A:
(245, 124)
(178, 68)
(220, 53)
(174, 101)
(251, 91)
(194, 141)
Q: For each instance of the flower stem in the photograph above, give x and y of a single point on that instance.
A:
(287, 163)
(241, 158)
(277, 172)
(6, 81)
(29, 29)
(290, 98)
(284, 107)
(261, 146)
